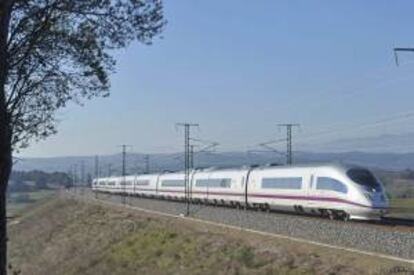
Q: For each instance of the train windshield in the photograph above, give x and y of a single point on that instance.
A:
(365, 178)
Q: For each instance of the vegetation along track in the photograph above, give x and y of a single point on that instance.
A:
(396, 241)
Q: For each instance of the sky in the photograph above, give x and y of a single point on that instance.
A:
(238, 68)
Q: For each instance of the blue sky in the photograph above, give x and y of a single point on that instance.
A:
(240, 67)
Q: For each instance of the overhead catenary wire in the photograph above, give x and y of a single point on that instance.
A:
(379, 73)
(354, 127)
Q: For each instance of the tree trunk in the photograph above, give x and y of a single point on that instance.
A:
(5, 131)
(5, 168)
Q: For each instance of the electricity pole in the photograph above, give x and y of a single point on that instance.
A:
(147, 164)
(75, 176)
(191, 156)
(109, 170)
(187, 127)
(124, 148)
(289, 155)
(97, 172)
(96, 167)
(82, 172)
(82, 181)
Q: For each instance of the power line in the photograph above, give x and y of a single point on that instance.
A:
(207, 146)
(360, 127)
(289, 126)
(187, 165)
(266, 145)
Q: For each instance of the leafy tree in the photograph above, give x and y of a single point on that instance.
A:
(40, 178)
(57, 51)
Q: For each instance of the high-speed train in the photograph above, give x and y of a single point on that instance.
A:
(335, 191)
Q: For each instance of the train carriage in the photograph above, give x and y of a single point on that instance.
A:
(332, 190)
(113, 185)
(101, 185)
(126, 184)
(171, 186)
(283, 188)
(145, 185)
(219, 186)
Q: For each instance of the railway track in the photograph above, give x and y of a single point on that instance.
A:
(394, 221)
(387, 223)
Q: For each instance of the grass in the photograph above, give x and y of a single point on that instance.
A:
(17, 202)
(165, 251)
(402, 207)
(66, 236)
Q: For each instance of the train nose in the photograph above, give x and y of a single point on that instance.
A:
(377, 199)
(381, 204)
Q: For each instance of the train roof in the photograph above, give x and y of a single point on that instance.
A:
(332, 165)
(335, 165)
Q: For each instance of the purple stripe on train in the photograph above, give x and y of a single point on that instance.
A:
(258, 195)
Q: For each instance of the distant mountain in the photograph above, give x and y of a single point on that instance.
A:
(111, 164)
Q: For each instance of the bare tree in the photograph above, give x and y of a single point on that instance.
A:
(53, 52)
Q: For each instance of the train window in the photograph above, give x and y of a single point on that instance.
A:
(282, 183)
(218, 183)
(142, 182)
(365, 178)
(127, 182)
(201, 183)
(111, 182)
(172, 183)
(325, 183)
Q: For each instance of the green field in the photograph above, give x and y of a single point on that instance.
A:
(19, 201)
(402, 208)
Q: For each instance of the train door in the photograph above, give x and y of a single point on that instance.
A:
(310, 190)
(247, 183)
(191, 183)
(157, 185)
(208, 187)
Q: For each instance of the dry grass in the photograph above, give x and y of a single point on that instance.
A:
(66, 236)
(17, 202)
(402, 208)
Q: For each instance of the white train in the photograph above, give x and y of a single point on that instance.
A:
(331, 190)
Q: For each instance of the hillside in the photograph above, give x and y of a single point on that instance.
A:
(67, 236)
(160, 162)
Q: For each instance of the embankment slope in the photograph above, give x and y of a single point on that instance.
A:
(68, 236)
